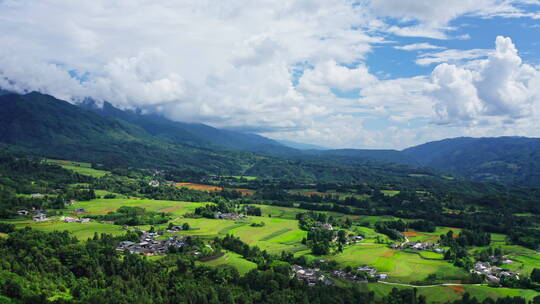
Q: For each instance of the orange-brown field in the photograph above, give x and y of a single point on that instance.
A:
(388, 253)
(210, 188)
(412, 233)
(459, 289)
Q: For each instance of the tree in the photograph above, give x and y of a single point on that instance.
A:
(185, 226)
(535, 275)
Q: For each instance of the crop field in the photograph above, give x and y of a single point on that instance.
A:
(103, 206)
(211, 188)
(525, 260)
(80, 231)
(401, 266)
(79, 167)
(281, 212)
(231, 259)
(450, 293)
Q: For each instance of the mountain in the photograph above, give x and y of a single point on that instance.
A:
(513, 160)
(47, 126)
(300, 146)
(193, 134)
(204, 136)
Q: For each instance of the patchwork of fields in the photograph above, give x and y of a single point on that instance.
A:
(281, 232)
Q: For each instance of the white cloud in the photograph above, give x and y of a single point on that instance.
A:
(500, 87)
(453, 56)
(230, 64)
(431, 18)
(418, 46)
(330, 74)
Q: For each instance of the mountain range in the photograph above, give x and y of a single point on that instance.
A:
(47, 126)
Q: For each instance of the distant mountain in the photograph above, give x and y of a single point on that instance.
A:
(300, 146)
(513, 160)
(43, 125)
(193, 134)
(356, 155)
(204, 136)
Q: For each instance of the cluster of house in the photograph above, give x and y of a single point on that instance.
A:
(40, 217)
(348, 276)
(356, 238)
(493, 273)
(372, 272)
(229, 216)
(149, 245)
(324, 226)
(174, 229)
(153, 183)
(69, 219)
(420, 246)
(309, 275)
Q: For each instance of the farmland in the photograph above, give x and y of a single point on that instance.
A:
(79, 167)
(231, 259)
(278, 230)
(212, 188)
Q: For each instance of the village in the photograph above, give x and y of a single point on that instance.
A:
(493, 273)
(149, 245)
(314, 275)
(419, 246)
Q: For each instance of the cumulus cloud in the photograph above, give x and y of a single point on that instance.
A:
(330, 74)
(269, 67)
(500, 86)
(431, 18)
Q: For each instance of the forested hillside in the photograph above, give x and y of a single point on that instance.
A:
(514, 160)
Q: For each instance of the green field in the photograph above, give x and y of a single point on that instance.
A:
(275, 236)
(79, 167)
(103, 206)
(401, 266)
(281, 212)
(450, 293)
(81, 231)
(231, 259)
(281, 233)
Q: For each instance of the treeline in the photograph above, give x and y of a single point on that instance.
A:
(133, 216)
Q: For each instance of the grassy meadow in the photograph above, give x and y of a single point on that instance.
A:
(79, 167)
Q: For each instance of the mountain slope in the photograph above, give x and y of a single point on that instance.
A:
(198, 135)
(45, 125)
(514, 160)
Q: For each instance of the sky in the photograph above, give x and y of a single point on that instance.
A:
(340, 74)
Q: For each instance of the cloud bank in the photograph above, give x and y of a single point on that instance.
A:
(292, 69)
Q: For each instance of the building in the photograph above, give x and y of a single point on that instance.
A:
(40, 217)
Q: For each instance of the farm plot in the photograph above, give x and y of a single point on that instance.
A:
(441, 294)
(103, 206)
(79, 167)
(280, 212)
(401, 266)
(275, 236)
(211, 188)
(231, 259)
(81, 231)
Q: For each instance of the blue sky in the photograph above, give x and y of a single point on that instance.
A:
(359, 74)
